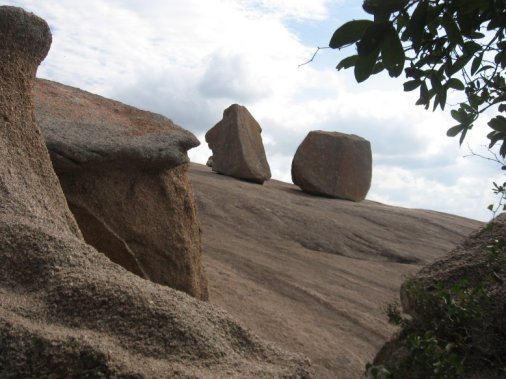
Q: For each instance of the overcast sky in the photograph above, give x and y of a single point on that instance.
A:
(189, 60)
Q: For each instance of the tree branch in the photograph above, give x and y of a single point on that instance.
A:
(314, 55)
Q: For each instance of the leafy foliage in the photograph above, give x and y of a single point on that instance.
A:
(439, 345)
(441, 46)
(454, 328)
(498, 189)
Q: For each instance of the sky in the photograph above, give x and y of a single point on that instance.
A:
(189, 60)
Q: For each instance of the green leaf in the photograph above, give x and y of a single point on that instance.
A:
(476, 63)
(497, 20)
(494, 137)
(411, 85)
(498, 123)
(442, 98)
(378, 67)
(433, 19)
(349, 33)
(392, 52)
(452, 30)
(474, 100)
(472, 47)
(347, 62)
(435, 81)
(424, 95)
(476, 35)
(463, 134)
(402, 21)
(460, 63)
(465, 21)
(485, 68)
(468, 108)
(383, 7)
(454, 130)
(365, 65)
(455, 84)
(416, 25)
(459, 116)
(503, 59)
(372, 39)
(413, 72)
(498, 57)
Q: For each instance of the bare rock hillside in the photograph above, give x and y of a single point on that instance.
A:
(313, 274)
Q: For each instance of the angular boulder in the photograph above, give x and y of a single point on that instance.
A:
(237, 146)
(333, 164)
(123, 172)
(65, 309)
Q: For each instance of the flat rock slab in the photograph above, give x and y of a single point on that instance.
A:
(333, 164)
(83, 130)
(237, 146)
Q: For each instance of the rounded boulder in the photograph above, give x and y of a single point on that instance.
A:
(333, 164)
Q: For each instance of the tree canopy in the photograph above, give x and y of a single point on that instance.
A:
(441, 46)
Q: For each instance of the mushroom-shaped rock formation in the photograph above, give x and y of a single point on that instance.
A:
(237, 146)
(124, 174)
(65, 309)
(333, 164)
(87, 131)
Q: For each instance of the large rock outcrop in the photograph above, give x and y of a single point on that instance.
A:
(65, 309)
(237, 146)
(123, 172)
(333, 164)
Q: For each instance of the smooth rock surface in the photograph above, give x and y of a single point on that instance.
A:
(314, 274)
(123, 136)
(333, 164)
(237, 146)
(138, 211)
(65, 309)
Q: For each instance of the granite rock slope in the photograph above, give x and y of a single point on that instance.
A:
(65, 309)
(314, 274)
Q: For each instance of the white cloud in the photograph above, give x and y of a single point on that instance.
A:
(230, 76)
(299, 9)
(191, 59)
